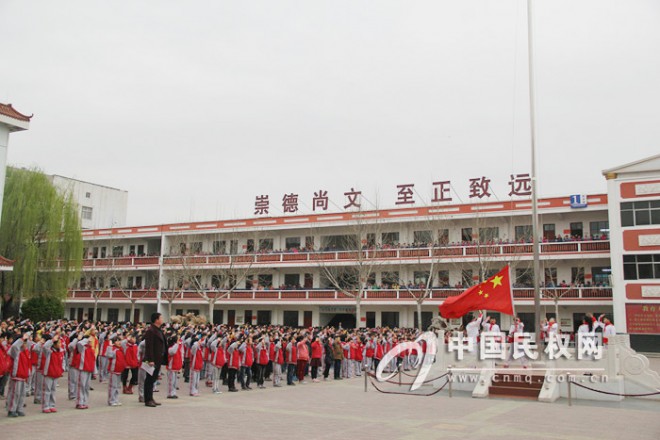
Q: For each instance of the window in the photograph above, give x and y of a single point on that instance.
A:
(113, 315)
(390, 238)
(549, 231)
(550, 277)
(95, 252)
(88, 195)
(389, 279)
(599, 229)
(524, 233)
(443, 236)
(443, 278)
(524, 278)
(389, 319)
(219, 247)
(488, 234)
(118, 251)
(577, 275)
(292, 243)
(309, 242)
(576, 229)
(291, 280)
(216, 281)
(196, 247)
(103, 252)
(466, 277)
(371, 239)
(250, 245)
(640, 213)
(423, 238)
(309, 281)
(86, 212)
(266, 244)
(291, 318)
(233, 247)
(641, 267)
(421, 278)
(127, 315)
(466, 234)
(601, 275)
(265, 280)
(340, 242)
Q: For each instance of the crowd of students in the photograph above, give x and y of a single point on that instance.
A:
(33, 356)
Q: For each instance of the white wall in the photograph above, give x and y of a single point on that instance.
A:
(109, 205)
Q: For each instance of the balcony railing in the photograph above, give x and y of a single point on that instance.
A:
(466, 251)
(562, 294)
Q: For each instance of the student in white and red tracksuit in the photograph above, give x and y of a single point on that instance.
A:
(116, 367)
(196, 366)
(218, 361)
(263, 356)
(142, 374)
(174, 365)
(234, 364)
(291, 351)
(278, 361)
(247, 359)
(21, 364)
(86, 366)
(38, 370)
(104, 343)
(130, 349)
(53, 361)
(74, 363)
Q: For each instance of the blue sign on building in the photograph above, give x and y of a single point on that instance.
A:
(579, 201)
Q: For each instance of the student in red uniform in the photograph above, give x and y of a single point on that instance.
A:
(291, 351)
(86, 367)
(247, 359)
(116, 366)
(196, 364)
(278, 361)
(317, 352)
(234, 363)
(217, 361)
(53, 361)
(303, 358)
(174, 365)
(130, 349)
(263, 357)
(19, 373)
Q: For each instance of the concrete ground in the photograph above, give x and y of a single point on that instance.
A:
(335, 410)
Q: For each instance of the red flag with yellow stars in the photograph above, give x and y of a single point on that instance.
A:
(493, 294)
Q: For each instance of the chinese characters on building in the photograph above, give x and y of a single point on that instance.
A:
(479, 188)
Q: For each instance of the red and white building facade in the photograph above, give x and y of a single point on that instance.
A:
(289, 285)
(634, 212)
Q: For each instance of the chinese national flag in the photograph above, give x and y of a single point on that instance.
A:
(493, 294)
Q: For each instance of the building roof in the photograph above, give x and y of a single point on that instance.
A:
(9, 111)
(639, 166)
(6, 262)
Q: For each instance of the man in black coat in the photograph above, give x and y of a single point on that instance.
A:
(154, 355)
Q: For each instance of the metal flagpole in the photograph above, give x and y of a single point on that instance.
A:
(535, 218)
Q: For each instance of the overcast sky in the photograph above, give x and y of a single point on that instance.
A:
(197, 107)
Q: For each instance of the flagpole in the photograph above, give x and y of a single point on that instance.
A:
(535, 217)
(513, 304)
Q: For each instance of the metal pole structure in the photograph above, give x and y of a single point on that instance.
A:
(366, 373)
(568, 383)
(535, 216)
(450, 381)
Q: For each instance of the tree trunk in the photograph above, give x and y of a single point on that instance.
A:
(169, 310)
(357, 311)
(209, 318)
(132, 311)
(557, 312)
(419, 316)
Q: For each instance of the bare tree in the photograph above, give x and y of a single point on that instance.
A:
(188, 271)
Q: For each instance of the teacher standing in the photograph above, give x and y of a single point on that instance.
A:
(154, 355)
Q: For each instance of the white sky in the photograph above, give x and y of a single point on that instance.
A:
(197, 107)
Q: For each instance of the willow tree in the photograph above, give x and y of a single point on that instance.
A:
(40, 231)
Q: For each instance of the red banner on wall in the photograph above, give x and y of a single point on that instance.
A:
(643, 318)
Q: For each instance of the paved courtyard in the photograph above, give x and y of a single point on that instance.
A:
(335, 410)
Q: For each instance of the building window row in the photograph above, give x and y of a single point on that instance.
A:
(640, 213)
(641, 267)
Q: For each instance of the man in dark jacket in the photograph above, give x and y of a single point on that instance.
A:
(154, 355)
